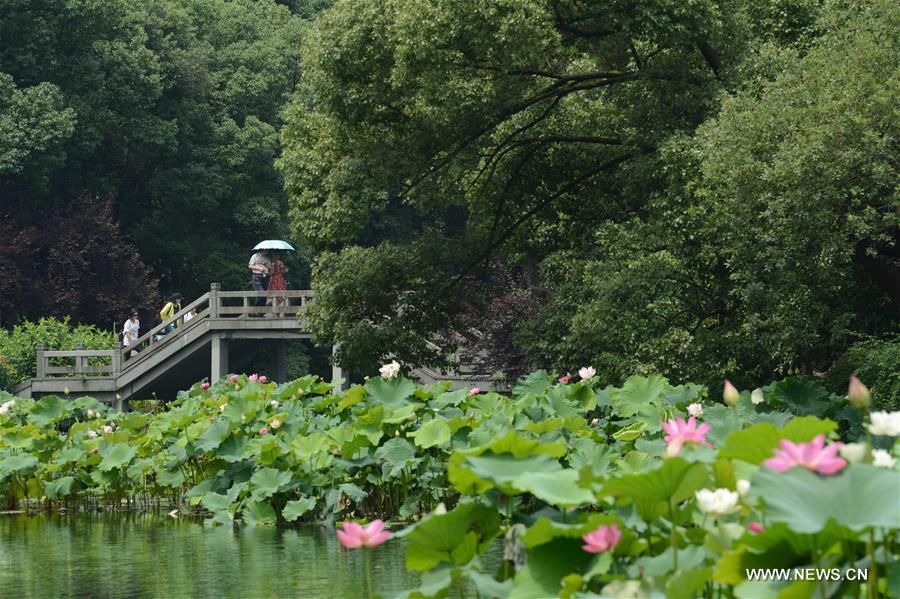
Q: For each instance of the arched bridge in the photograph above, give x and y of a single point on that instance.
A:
(225, 322)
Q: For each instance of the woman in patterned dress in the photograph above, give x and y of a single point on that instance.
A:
(276, 278)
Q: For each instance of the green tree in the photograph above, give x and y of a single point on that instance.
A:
(438, 133)
(772, 247)
(169, 108)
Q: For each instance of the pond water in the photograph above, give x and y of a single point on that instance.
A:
(146, 555)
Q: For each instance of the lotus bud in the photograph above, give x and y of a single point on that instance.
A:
(755, 527)
(853, 452)
(743, 485)
(757, 397)
(90, 413)
(858, 394)
(731, 394)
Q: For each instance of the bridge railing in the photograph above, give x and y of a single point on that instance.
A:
(216, 304)
(76, 363)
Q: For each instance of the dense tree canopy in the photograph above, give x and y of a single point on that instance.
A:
(169, 108)
(706, 186)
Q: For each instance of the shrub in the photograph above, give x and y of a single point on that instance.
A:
(17, 346)
(877, 364)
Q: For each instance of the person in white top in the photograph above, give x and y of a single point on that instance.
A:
(259, 273)
(131, 331)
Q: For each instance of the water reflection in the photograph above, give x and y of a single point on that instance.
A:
(145, 555)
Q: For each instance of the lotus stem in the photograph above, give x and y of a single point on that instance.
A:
(873, 579)
(368, 565)
(672, 536)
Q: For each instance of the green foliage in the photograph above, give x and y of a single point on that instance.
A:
(539, 468)
(773, 217)
(875, 361)
(172, 108)
(17, 346)
(707, 189)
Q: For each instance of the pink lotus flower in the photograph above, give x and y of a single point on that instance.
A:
(565, 379)
(204, 385)
(262, 378)
(605, 538)
(233, 378)
(682, 432)
(353, 536)
(812, 456)
(755, 527)
(263, 431)
(253, 377)
(474, 391)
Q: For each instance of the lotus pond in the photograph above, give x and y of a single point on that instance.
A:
(560, 488)
(148, 555)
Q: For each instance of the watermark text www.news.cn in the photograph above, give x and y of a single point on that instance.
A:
(815, 574)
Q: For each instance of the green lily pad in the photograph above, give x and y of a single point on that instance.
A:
(434, 432)
(857, 498)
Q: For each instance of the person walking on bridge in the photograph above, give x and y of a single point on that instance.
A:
(131, 332)
(259, 266)
(168, 311)
(276, 279)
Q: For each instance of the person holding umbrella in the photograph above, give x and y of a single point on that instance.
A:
(261, 266)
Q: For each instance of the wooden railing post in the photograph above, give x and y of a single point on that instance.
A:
(214, 289)
(117, 362)
(41, 364)
(80, 361)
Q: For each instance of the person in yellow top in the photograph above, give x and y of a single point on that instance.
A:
(169, 310)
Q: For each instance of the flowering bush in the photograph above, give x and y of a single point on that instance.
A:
(580, 486)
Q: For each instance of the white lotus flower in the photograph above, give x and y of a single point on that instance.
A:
(595, 422)
(883, 459)
(107, 429)
(757, 397)
(853, 452)
(695, 409)
(3, 410)
(587, 373)
(274, 403)
(720, 502)
(885, 423)
(90, 413)
(389, 371)
(275, 423)
(743, 485)
(92, 434)
(222, 408)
